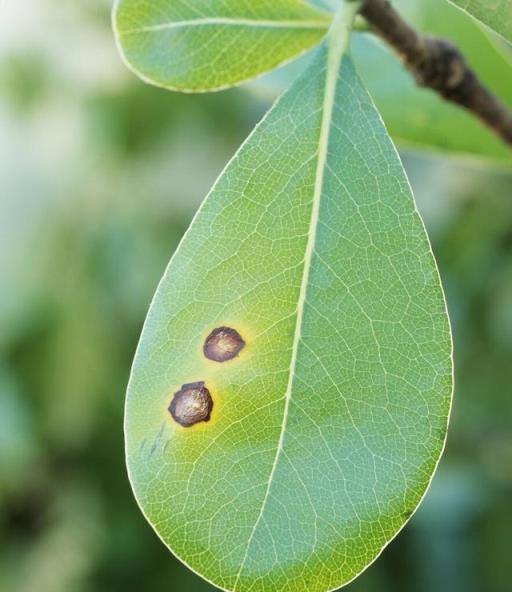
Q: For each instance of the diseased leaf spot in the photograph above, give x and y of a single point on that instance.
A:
(223, 344)
(191, 404)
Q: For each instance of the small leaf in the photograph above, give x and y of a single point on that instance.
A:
(318, 435)
(213, 44)
(496, 14)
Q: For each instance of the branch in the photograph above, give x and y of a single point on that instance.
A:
(437, 64)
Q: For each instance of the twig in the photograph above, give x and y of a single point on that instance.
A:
(437, 64)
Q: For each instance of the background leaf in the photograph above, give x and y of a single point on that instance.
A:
(213, 44)
(327, 427)
(496, 14)
(418, 117)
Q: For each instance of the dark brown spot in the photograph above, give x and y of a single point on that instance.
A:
(191, 404)
(223, 344)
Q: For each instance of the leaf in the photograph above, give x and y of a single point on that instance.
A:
(328, 422)
(418, 117)
(496, 14)
(213, 44)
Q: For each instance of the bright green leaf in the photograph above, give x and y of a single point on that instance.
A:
(213, 44)
(496, 14)
(327, 427)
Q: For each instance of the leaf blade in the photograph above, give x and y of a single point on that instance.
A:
(326, 429)
(212, 45)
(497, 16)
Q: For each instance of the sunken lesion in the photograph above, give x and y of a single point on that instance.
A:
(192, 404)
(223, 344)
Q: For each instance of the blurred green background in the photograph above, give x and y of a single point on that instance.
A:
(99, 177)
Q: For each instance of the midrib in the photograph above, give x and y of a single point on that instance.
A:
(232, 22)
(337, 44)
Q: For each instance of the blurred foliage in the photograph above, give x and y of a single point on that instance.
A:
(99, 177)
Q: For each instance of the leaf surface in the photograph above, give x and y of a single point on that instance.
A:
(327, 426)
(496, 14)
(213, 44)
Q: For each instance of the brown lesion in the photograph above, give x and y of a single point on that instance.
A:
(223, 344)
(192, 404)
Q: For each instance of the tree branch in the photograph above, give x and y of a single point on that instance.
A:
(437, 64)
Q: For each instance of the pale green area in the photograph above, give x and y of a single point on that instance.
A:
(327, 428)
(213, 44)
(497, 14)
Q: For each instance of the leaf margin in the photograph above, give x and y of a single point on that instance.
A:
(328, 16)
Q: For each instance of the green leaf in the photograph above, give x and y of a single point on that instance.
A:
(420, 117)
(213, 44)
(496, 14)
(328, 424)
